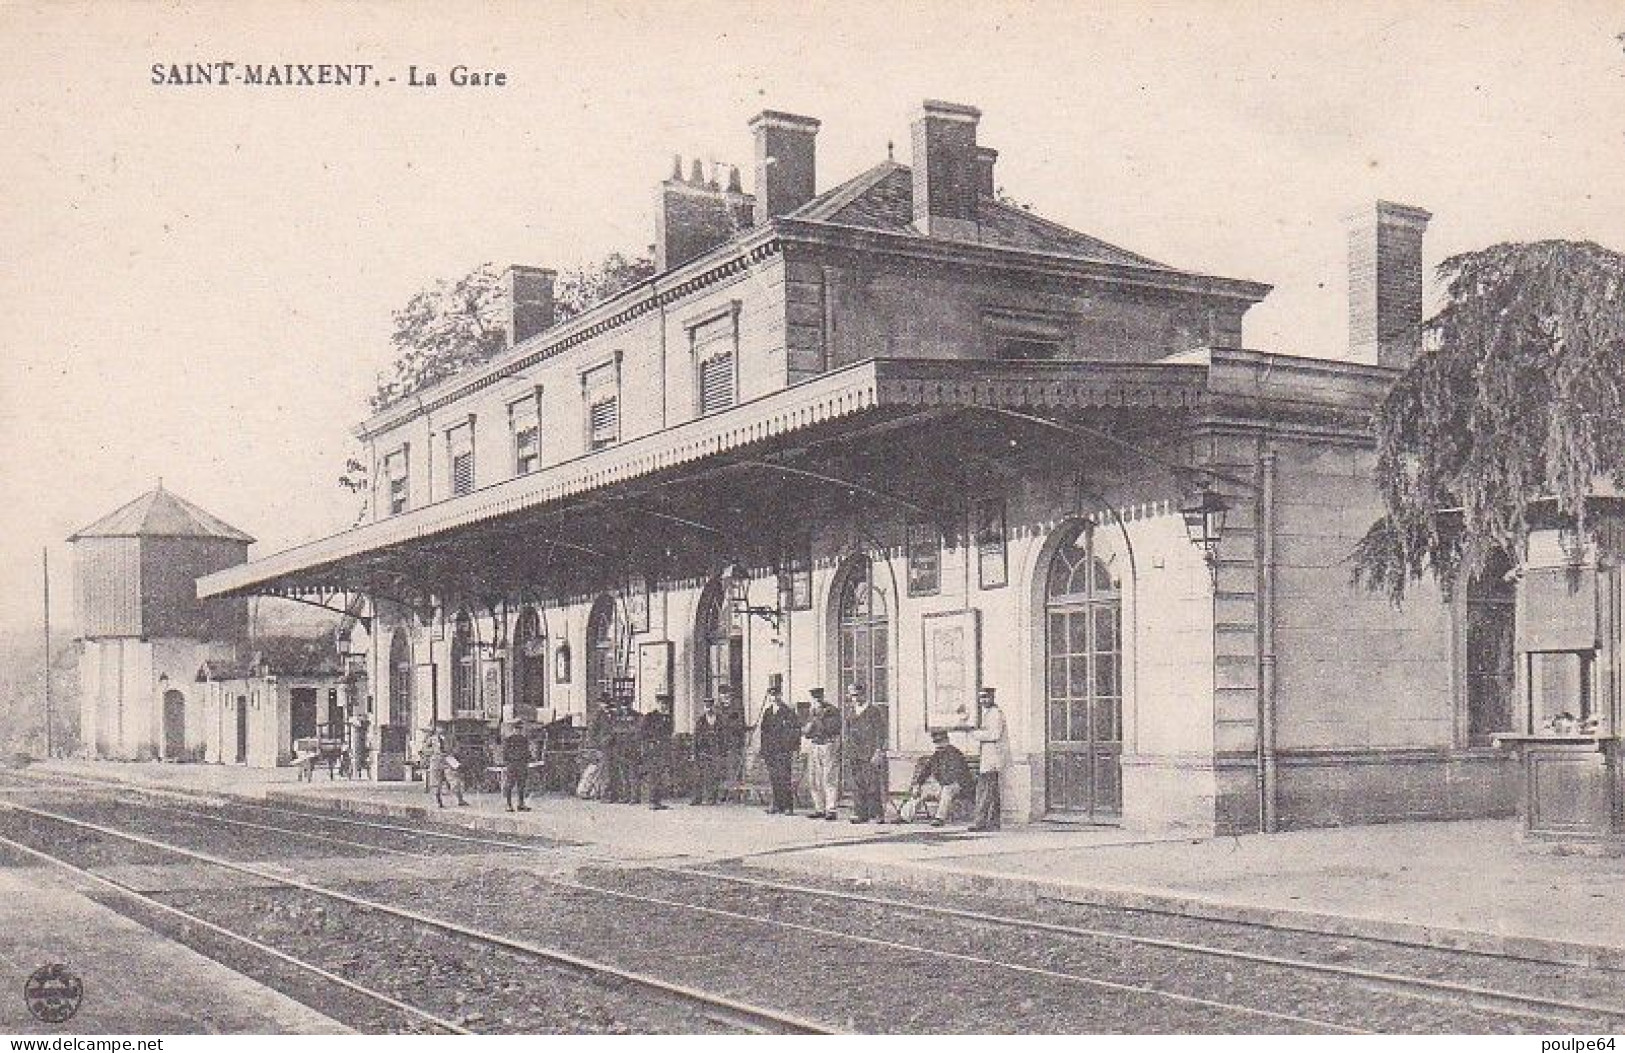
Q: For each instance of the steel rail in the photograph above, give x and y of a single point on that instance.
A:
(147, 900)
(1448, 992)
(742, 1013)
(1072, 977)
(307, 835)
(1421, 988)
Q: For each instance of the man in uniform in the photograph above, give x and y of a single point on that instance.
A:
(866, 738)
(948, 769)
(708, 755)
(823, 734)
(654, 735)
(780, 741)
(516, 766)
(991, 736)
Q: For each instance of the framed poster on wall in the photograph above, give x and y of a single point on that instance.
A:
(654, 673)
(953, 669)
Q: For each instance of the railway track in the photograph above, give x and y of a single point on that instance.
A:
(732, 1012)
(1519, 1008)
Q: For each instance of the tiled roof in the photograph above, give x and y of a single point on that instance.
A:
(159, 513)
(883, 199)
(308, 656)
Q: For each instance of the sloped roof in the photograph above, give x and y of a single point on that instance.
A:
(308, 656)
(159, 513)
(883, 199)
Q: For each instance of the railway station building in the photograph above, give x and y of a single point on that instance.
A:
(901, 434)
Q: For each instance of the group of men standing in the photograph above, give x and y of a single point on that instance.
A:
(631, 757)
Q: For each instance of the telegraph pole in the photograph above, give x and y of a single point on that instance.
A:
(45, 568)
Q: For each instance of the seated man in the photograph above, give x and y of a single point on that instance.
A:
(947, 768)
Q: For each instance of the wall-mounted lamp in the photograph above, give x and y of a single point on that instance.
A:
(1204, 523)
(737, 581)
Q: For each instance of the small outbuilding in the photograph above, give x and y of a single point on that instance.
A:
(284, 689)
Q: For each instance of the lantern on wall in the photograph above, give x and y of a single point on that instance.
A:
(736, 579)
(1204, 523)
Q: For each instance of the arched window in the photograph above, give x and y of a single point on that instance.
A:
(529, 665)
(400, 679)
(1083, 612)
(464, 684)
(721, 645)
(603, 658)
(864, 627)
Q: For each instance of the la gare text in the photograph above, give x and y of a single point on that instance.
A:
(319, 74)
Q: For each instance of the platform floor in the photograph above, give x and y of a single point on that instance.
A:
(1452, 883)
(135, 981)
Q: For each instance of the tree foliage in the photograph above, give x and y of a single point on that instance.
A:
(1518, 398)
(453, 325)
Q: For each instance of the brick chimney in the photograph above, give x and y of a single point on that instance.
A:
(1385, 284)
(986, 158)
(696, 215)
(946, 170)
(786, 175)
(530, 301)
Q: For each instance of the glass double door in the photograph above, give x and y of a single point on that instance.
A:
(1084, 683)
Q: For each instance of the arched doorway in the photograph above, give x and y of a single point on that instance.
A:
(464, 684)
(1083, 648)
(603, 657)
(174, 724)
(529, 665)
(720, 644)
(400, 679)
(863, 640)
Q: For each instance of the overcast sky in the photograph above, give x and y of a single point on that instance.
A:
(196, 283)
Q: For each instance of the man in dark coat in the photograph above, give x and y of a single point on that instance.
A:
(866, 741)
(516, 766)
(947, 767)
(708, 755)
(780, 741)
(654, 736)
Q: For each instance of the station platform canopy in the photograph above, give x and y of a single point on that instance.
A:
(913, 434)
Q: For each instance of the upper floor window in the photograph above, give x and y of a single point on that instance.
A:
(460, 457)
(1022, 349)
(395, 472)
(1025, 335)
(524, 420)
(601, 390)
(714, 343)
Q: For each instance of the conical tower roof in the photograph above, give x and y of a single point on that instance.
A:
(159, 513)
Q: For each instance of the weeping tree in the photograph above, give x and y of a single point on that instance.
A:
(457, 323)
(1516, 401)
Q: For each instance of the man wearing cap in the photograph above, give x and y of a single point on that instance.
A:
(780, 740)
(947, 768)
(991, 736)
(516, 766)
(708, 753)
(654, 734)
(443, 768)
(866, 738)
(823, 734)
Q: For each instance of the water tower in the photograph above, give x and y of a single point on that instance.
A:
(143, 633)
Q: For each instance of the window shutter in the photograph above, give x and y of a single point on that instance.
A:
(605, 421)
(462, 474)
(713, 344)
(716, 383)
(460, 445)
